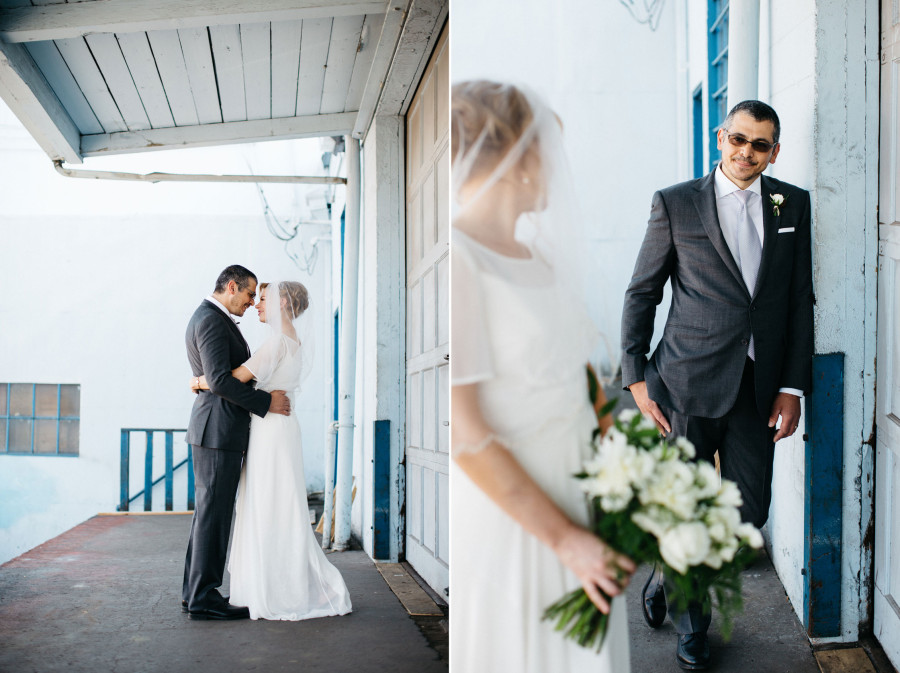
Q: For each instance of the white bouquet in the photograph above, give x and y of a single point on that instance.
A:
(650, 501)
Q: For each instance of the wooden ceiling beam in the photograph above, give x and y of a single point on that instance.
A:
(421, 31)
(381, 62)
(29, 96)
(205, 135)
(74, 19)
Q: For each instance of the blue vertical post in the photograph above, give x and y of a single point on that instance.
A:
(58, 412)
(382, 490)
(822, 501)
(697, 111)
(148, 473)
(123, 471)
(33, 413)
(169, 451)
(190, 469)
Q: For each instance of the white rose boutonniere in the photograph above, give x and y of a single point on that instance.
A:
(777, 201)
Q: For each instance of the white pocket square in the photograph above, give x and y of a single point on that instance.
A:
(785, 230)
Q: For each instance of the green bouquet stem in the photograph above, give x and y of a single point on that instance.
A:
(577, 616)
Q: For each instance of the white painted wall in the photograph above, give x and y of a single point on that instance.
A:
(789, 37)
(101, 280)
(845, 247)
(615, 84)
(382, 323)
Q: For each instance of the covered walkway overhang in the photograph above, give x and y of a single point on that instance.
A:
(103, 77)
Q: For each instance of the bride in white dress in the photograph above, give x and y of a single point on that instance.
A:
(278, 570)
(521, 417)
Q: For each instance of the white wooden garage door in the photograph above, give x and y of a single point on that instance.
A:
(887, 460)
(428, 323)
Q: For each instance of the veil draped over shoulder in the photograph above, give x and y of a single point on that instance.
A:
(553, 227)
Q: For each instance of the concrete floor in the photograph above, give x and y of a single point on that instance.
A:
(105, 598)
(767, 636)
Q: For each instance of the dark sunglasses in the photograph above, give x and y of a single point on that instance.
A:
(738, 140)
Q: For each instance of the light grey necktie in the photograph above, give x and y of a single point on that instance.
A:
(749, 250)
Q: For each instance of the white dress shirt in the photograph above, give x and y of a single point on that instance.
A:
(728, 207)
(215, 302)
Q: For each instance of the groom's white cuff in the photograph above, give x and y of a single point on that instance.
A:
(792, 391)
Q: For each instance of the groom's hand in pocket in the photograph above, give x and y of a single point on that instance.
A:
(648, 407)
(280, 403)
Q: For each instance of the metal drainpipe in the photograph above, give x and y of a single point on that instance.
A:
(743, 51)
(328, 514)
(347, 367)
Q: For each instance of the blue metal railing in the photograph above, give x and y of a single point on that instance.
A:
(125, 499)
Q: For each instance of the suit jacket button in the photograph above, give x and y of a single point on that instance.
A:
(744, 342)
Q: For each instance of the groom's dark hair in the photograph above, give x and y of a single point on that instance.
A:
(236, 273)
(759, 111)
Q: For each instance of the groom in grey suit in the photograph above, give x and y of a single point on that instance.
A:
(218, 433)
(736, 352)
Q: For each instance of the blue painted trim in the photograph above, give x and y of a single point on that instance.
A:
(822, 505)
(697, 110)
(382, 490)
(717, 70)
(58, 409)
(148, 473)
(8, 393)
(337, 362)
(32, 418)
(33, 409)
(123, 471)
(149, 482)
(169, 470)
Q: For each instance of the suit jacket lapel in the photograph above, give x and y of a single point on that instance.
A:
(770, 229)
(232, 325)
(705, 202)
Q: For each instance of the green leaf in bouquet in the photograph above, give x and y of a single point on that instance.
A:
(608, 407)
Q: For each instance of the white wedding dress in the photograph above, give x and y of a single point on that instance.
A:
(278, 570)
(526, 343)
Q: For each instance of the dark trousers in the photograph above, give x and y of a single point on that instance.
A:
(216, 476)
(746, 452)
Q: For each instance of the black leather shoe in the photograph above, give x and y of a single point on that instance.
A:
(653, 600)
(221, 612)
(692, 653)
(184, 605)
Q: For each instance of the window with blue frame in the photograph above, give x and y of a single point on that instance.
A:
(717, 49)
(40, 419)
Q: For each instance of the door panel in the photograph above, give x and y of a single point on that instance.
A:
(428, 333)
(887, 461)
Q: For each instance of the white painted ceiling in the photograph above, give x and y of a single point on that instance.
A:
(102, 77)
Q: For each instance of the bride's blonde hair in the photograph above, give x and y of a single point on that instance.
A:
(296, 295)
(490, 114)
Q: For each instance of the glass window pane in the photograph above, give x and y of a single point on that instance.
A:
(68, 437)
(3, 399)
(45, 400)
(21, 399)
(70, 400)
(20, 435)
(2, 435)
(45, 436)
